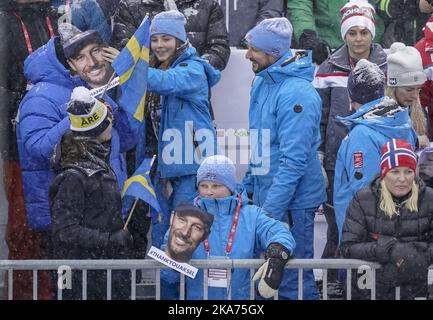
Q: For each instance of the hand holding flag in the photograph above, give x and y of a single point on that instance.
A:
(140, 186)
(131, 65)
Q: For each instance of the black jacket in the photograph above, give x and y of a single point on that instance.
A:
(86, 209)
(403, 21)
(367, 231)
(205, 27)
(13, 52)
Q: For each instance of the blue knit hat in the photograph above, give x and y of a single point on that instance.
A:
(366, 82)
(272, 36)
(219, 169)
(169, 22)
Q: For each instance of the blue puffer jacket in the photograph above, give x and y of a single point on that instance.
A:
(90, 14)
(254, 231)
(358, 159)
(284, 116)
(184, 90)
(42, 122)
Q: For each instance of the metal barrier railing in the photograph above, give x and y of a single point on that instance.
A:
(134, 265)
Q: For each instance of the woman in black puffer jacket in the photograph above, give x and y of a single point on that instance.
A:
(85, 200)
(391, 222)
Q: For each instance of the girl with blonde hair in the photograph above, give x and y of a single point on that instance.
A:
(405, 80)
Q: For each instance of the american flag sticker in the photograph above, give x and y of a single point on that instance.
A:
(358, 160)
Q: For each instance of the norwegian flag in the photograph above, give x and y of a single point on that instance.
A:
(397, 153)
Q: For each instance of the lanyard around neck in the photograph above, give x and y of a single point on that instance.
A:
(26, 32)
(232, 230)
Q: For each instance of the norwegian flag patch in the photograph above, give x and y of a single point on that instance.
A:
(358, 160)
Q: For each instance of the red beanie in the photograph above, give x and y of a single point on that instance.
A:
(397, 153)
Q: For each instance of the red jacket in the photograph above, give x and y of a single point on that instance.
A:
(425, 47)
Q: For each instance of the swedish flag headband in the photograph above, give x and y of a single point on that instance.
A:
(91, 120)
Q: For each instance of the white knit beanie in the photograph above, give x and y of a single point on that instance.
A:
(404, 66)
(357, 13)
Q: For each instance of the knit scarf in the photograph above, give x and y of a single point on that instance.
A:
(98, 153)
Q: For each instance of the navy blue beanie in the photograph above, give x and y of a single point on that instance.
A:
(366, 82)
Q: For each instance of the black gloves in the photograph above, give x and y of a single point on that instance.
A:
(310, 41)
(271, 272)
(411, 261)
(120, 239)
(139, 225)
(383, 248)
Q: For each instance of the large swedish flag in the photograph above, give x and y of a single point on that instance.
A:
(140, 186)
(131, 66)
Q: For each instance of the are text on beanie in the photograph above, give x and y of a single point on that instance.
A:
(88, 116)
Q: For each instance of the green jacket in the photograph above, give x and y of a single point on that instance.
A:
(322, 16)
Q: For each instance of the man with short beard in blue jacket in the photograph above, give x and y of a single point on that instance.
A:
(55, 70)
(284, 175)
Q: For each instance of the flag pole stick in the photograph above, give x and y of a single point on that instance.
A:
(108, 84)
(136, 199)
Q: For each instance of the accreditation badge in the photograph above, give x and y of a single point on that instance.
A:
(218, 278)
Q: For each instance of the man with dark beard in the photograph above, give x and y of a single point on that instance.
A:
(284, 117)
(190, 225)
(55, 70)
(87, 54)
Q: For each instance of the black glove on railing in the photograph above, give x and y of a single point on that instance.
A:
(271, 272)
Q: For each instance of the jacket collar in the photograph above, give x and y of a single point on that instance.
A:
(223, 206)
(296, 63)
(340, 57)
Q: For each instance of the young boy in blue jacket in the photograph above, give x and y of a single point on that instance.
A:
(238, 230)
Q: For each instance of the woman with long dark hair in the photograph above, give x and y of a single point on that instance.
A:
(85, 200)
